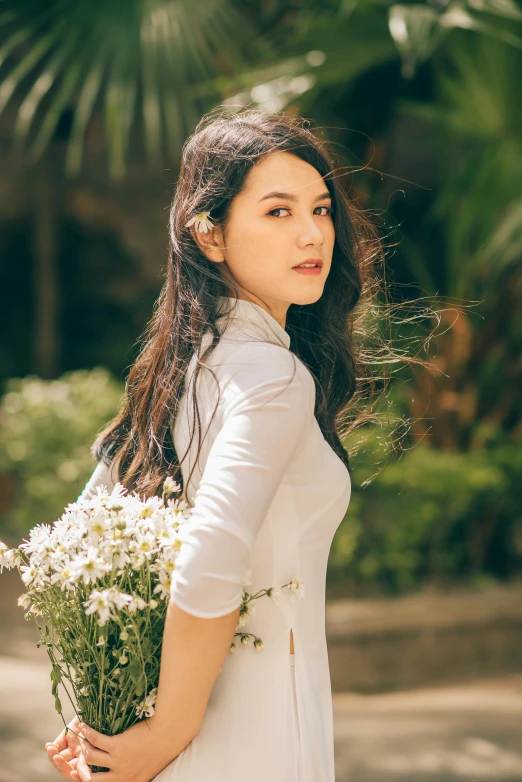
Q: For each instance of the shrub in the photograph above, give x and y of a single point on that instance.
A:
(46, 430)
(432, 517)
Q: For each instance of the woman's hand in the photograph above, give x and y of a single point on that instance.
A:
(63, 752)
(136, 755)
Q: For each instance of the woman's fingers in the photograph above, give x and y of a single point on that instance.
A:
(94, 756)
(60, 742)
(61, 752)
(83, 770)
(61, 765)
(95, 746)
(67, 754)
(100, 740)
(86, 775)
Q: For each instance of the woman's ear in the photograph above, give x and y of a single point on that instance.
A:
(211, 243)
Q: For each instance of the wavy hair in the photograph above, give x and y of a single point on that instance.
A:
(332, 336)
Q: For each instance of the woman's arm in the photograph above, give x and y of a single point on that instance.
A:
(193, 653)
(264, 419)
(263, 423)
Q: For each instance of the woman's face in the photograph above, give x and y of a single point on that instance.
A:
(281, 218)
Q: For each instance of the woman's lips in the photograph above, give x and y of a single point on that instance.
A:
(308, 269)
(305, 266)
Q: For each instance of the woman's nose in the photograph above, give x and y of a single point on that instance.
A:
(310, 233)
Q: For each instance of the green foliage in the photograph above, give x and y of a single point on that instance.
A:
(163, 65)
(432, 516)
(479, 128)
(131, 58)
(46, 430)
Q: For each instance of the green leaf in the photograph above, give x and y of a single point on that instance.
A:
(134, 670)
(56, 674)
(117, 724)
(417, 32)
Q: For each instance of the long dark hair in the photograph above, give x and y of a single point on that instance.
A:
(328, 335)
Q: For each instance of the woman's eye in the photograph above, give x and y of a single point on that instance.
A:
(278, 209)
(329, 210)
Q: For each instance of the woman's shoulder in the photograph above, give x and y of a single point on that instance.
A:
(243, 368)
(256, 358)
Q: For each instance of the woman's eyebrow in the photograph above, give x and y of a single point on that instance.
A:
(290, 197)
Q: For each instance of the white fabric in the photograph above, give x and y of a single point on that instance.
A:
(101, 476)
(268, 495)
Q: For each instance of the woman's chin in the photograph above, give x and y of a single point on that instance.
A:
(308, 294)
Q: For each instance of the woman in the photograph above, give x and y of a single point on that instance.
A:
(251, 346)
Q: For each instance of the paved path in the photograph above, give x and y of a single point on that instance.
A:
(453, 734)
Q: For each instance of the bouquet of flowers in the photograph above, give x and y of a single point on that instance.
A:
(99, 579)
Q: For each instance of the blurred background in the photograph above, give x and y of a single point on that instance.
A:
(422, 104)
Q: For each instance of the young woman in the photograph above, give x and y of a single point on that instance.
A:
(248, 362)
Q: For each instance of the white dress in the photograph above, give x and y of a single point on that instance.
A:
(268, 495)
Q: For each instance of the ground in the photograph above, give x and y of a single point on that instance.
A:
(450, 734)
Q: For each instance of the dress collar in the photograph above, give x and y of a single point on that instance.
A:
(246, 314)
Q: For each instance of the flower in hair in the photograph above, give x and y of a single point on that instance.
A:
(201, 222)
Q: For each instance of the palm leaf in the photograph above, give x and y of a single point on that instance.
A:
(480, 144)
(118, 55)
(419, 28)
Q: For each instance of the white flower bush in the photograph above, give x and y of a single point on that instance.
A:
(98, 579)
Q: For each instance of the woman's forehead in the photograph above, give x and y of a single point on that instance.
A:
(284, 173)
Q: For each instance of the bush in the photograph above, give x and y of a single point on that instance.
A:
(46, 430)
(432, 517)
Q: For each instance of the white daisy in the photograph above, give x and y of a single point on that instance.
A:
(9, 558)
(201, 222)
(115, 552)
(90, 566)
(99, 525)
(120, 599)
(66, 578)
(136, 603)
(246, 613)
(297, 589)
(176, 507)
(146, 707)
(24, 601)
(274, 593)
(103, 603)
(164, 585)
(170, 486)
(99, 603)
(28, 574)
(144, 545)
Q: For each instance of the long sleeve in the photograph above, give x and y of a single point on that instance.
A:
(101, 475)
(267, 410)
